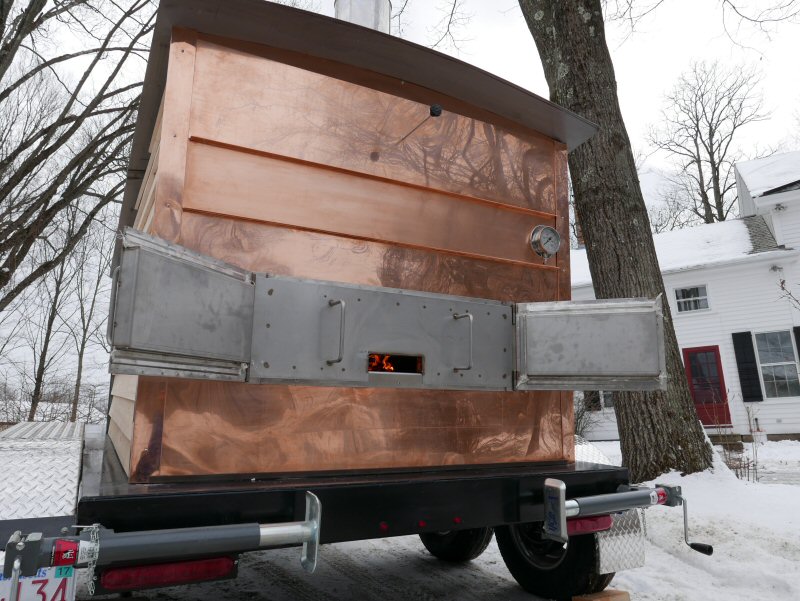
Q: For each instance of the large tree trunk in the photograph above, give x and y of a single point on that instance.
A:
(659, 431)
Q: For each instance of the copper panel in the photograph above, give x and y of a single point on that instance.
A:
(148, 428)
(263, 188)
(295, 173)
(277, 429)
(243, 99)
(174, 136)
(268, 248)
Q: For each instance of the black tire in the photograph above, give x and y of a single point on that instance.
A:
(457, 546)
(547, 569)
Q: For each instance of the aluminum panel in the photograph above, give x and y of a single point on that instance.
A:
(591, 345)
(322, 333)
(168, 300)
(622, 547)
(41, 466)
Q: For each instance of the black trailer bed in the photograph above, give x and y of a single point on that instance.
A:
(354, 506)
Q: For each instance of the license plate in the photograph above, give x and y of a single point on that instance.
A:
(49, 584)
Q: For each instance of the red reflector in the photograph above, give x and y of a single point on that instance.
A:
(65, 552)
(457, 520)
(166, 574)
(384, 527)
(662, 496)
(422, 523)
(587, 525)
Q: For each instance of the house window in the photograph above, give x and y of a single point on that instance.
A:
(778, 362)
(691, 299)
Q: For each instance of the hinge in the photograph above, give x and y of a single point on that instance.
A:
(513, 315)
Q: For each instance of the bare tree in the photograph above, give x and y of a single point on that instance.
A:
(446, 32)
(764, 16)
(704, 113)
(47, 345)
(670, 212)
(68, 100)
(89, 264)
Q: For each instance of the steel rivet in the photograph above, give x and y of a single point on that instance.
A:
(268, 325)
(270, 291)
(266, 364)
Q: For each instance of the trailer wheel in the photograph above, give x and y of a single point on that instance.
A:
(547, 568)
(457, 546)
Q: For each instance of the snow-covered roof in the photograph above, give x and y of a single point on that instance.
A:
(700, 246)
(761, 176)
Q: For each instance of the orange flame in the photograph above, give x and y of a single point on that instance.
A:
(380, 362)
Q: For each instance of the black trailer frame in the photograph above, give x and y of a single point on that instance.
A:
(355, 506)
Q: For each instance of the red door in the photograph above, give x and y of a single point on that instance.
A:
(704, 372)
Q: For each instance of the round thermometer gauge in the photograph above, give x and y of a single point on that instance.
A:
(545, 241)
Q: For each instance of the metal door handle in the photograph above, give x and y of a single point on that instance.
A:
(113, 308)
(333, 303)
(471, 321)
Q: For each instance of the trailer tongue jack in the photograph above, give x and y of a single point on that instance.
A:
(558, 509)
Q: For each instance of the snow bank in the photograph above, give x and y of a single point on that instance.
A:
(754, 527)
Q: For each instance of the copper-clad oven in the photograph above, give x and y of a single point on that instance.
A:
(289, 155)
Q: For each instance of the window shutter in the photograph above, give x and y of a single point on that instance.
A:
(747, 366)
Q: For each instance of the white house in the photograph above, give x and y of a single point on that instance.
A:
(738, 333)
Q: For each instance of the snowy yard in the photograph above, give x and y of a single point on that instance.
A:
(755, 530)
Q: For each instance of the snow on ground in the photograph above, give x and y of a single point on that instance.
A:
(754, 527)
(777, 461)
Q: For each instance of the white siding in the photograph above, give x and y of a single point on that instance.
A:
(786, 221)
(742, 297)
(120, 426)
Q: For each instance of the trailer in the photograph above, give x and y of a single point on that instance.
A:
(340, 311)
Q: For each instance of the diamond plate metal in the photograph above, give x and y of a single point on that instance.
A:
(587, 452)
(622, 547)
(44, 431)
(41, 463)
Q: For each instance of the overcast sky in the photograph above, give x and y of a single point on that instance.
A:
(647, 62)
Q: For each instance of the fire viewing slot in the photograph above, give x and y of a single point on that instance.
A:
(398, 364)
